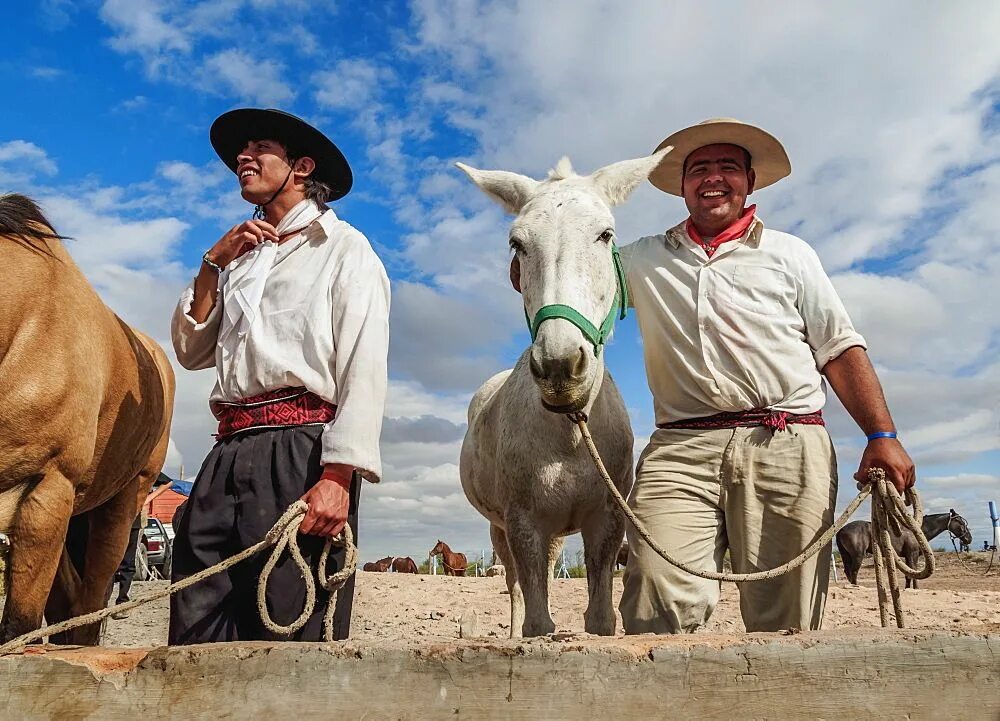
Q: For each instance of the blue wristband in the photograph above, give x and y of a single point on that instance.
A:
(881, 434)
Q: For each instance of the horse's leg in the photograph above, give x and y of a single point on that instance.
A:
(911, 561)
(602, 532)
(68, 581)
(501, 548)
(850, 565)
(38, 535)
(530, 549)
(109, 530)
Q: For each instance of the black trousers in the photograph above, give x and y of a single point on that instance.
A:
(246, 483)
(126, 569)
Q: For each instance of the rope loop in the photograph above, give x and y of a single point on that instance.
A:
(283, 535)
(888, 512)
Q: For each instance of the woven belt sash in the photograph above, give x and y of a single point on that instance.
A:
(273, 409)
(775, 420)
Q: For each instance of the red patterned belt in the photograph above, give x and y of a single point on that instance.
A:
(775, 420)
(273, 409)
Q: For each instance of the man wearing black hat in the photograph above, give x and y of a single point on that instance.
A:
(291, 309)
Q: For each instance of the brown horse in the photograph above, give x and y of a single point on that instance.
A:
(405, 565)
(380, 566)
(454, 563)
(85, 407)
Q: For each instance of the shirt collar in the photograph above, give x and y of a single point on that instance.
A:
(676, 235)
(325, 223)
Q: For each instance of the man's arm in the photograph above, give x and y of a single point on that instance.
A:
(350, 442)
(224, 252)
(857, 386)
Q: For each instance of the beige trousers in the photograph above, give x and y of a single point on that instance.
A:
(760, 496)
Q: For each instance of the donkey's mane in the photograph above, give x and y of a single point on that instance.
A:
(563, 170)
(22, 221)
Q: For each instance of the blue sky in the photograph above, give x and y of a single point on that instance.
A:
(894, 147)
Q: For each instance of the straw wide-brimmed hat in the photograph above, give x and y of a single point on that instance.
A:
(767, 156)
(231, 131)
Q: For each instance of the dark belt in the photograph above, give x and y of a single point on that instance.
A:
(775, 420)
(274, 409)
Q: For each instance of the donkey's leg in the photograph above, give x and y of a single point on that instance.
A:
(109, 530)
(502, 549)
(531, 551)
(602, 532)
(555, 549)
(38, 535)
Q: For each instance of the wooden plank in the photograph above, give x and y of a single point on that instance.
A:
(829, 675)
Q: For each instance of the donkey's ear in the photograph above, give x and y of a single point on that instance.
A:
(511, 190)
(617, 181)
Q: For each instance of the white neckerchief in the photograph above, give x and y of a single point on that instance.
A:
(243, 286)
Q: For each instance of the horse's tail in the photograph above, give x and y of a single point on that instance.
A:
(23, 221)
(850, 566)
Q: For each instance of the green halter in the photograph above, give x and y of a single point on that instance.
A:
(595, 335)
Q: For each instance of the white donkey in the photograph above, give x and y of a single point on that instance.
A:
(523, 464)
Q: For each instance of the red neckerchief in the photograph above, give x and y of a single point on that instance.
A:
(735, 230)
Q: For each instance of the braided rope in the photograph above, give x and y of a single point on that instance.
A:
(887, 510)
(283, 535)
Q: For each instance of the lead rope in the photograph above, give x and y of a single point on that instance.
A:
(283, 535)
(887, 511)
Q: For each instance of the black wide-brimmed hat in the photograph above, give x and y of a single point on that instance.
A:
(231, 131)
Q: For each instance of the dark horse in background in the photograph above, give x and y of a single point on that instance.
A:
(854, 541)
(404, 564)
(85, 406)
(381, 566)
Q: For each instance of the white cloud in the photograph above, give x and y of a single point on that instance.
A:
(143, 28)
(45, 72)
(352, 84)
(21, 161)
(246, 76)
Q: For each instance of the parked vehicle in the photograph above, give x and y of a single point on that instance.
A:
(154, 551)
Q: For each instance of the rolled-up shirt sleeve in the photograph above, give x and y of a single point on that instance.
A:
(829, 330)
(195, 343)
(361, 337)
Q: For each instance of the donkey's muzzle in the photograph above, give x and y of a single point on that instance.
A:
(563, 381)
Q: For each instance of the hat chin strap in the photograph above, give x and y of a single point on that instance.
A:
(259, 210)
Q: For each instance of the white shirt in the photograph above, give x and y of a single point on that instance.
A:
(322, 323)
(750, 327)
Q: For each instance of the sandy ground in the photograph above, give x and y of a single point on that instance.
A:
(399, 606)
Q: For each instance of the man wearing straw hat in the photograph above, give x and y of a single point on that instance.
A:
(740, 327)
(291, 310)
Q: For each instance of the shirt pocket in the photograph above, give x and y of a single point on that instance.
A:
(759, 289)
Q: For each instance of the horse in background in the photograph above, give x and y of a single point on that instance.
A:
(454, 564)
(622, 558)
(404, 564)
(381, 566)
(85, 408)
(523, 464)
(854, 541)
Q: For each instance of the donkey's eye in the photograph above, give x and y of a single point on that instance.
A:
(515, 245)
(607, 236)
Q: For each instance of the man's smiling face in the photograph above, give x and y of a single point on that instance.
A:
(717, 180)
(262, 168)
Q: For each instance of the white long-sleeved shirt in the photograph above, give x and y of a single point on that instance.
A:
(750, 327)
(322, 323)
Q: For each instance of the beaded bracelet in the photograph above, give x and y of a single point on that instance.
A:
(210, 264)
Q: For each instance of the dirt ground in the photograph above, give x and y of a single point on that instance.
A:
(399, 606)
